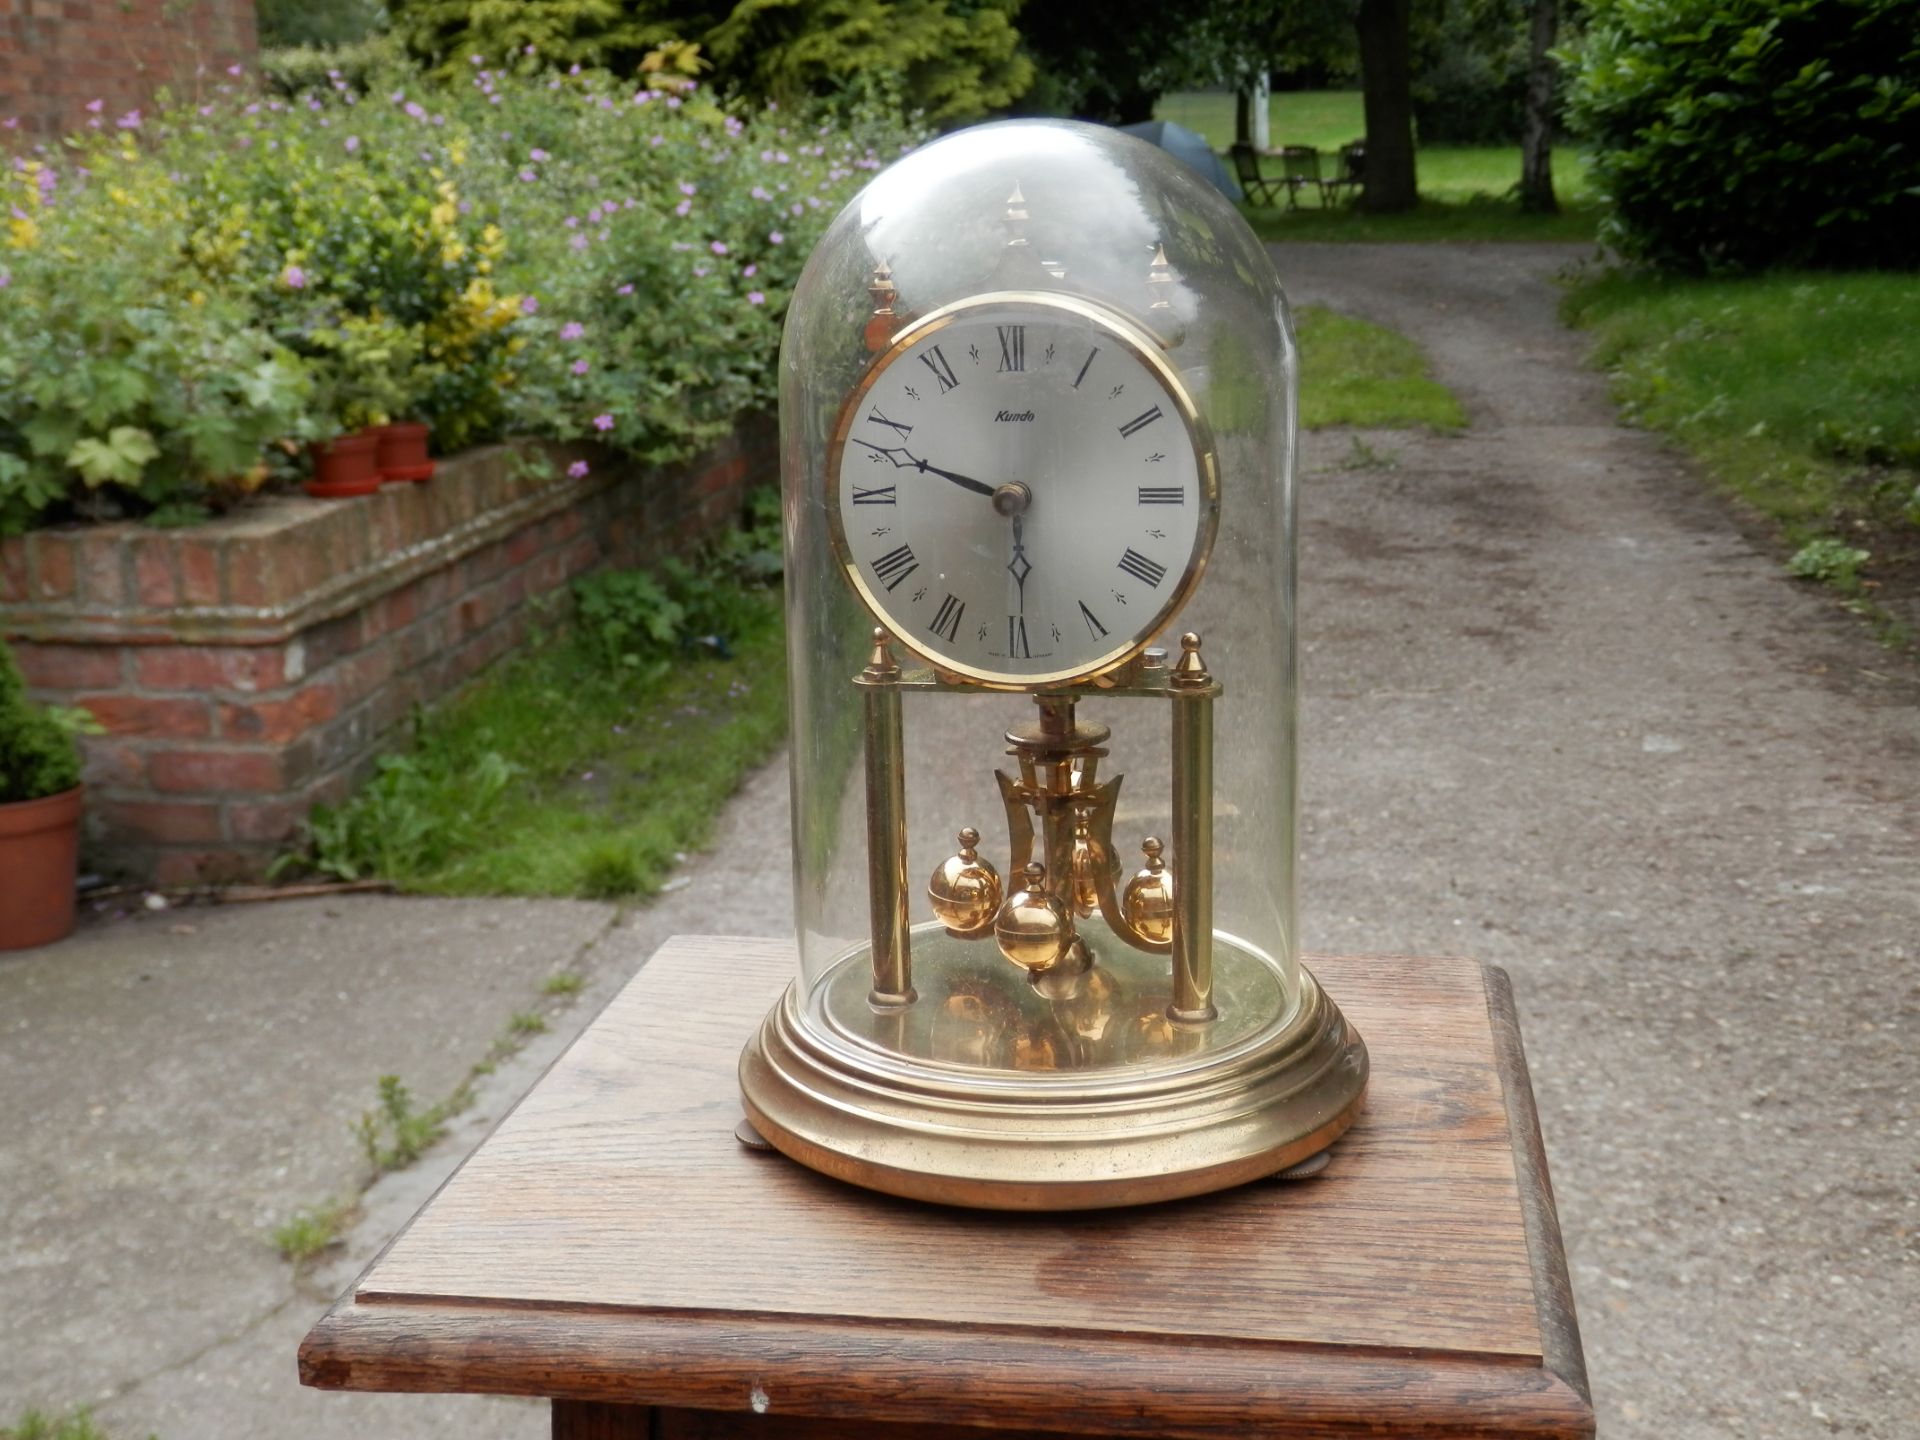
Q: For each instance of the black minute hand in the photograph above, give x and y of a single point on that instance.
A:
(912, 462)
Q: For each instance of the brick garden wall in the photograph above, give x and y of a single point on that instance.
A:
(252, 667)
(57, 55)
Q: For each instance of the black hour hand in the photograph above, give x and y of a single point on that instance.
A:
(895, 453)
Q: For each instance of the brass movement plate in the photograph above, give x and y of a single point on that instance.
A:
(987, 1094)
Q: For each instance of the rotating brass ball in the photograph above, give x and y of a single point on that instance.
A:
(1148, 903)
(964, 890)
(1034, 930)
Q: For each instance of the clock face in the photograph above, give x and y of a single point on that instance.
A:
(1023, 490)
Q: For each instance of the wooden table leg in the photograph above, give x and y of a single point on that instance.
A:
(597, 1420)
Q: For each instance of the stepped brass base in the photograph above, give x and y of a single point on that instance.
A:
(962, 1098)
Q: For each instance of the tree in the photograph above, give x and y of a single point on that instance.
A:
(1386, 71)
(1536, 141)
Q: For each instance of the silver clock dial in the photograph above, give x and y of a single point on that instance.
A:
(1022, 492)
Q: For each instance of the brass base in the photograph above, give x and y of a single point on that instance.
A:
(1104, 1126)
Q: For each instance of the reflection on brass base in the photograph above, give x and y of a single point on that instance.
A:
(1024, 1136)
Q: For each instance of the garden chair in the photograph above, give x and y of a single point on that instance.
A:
(1299, 168)
(1260, 189)
(1349, 166)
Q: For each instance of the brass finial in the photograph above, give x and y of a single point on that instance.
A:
(1016, 218)
(882, 289)
(1191, 671)
(880, 664)
(1151, 847)
(881, 324)
(1159, 277)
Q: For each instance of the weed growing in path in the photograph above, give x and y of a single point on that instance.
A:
(312, 1231)
(394, 1134)
(38, 1425)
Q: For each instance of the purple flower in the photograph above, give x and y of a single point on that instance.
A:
(626, 289)
(353, 143)
(572, 330)
(700, 272)
(603, 422)
(751, 271)
(774, 237)
(687, 187)
(579, 367)
(719, 247)
(538, 155)
(235, 70)
(579, 242)
(573, 69)
(760, 192)
(5, 279)
(684, 208)
(755, 297)
(658, 140)
(94, 107)
(528, 176)
(673, 102)
(475, 59)
(12, 122)
(397, 96)
(129, 121)
(294, 278)
(416, 109)
(578, 469)
(529, 305)
(572, 222)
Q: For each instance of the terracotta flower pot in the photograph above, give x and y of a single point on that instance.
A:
(403, 452)
(39, 856)
(345, 465)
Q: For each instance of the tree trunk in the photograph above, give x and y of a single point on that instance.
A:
(1536, 141)
(1386, 72)
(1243, 117)
(1262, 137)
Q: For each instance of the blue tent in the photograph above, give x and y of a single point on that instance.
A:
(1190, 148)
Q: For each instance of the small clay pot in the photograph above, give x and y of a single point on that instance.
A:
(39, 856)
(345, 465)
(403, 452)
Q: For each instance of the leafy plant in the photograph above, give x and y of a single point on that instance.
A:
(1830, 561)
(394, 1134)
(38, 757)
(399, 823)
(1739, 134)
(312, 1231)
(38, 1425)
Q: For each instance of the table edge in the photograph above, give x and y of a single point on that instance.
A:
(1552, 1285)
(1066, 1382)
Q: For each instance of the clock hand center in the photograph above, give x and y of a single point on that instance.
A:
(1012, 499)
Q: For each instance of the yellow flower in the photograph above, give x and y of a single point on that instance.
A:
(22, 233)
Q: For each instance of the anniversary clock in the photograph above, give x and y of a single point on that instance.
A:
(1037, 423)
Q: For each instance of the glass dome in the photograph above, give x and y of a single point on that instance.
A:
(1037, 428)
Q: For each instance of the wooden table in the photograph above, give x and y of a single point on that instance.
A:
(614, 1248)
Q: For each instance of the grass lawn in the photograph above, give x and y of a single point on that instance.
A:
(554, 775)
(1799, 392)
(1461, 186)
(1353, 372)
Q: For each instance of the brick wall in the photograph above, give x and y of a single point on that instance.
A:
(57, 55)
(250, 668)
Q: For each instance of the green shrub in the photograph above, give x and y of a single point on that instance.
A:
(556, 255)
(1733, 134)
(38, 757)
(315, 66)
(1830, 561)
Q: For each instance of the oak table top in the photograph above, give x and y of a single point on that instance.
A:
(612, 1245)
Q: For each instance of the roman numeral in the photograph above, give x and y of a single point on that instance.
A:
(1013, 347)
(1163, 495)
(879, 495)
(1094, 628)
(894, 566)
(1141, 568)
(1017, 646)
(935, 361)
(1140, 422)
(875, 417)
(947, 622)
(1086, 367)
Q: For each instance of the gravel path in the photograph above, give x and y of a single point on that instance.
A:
(1560, 715)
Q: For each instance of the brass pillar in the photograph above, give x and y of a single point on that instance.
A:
(1192, 691)
(886, 829)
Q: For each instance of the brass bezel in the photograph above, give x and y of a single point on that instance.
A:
(1147, 350)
